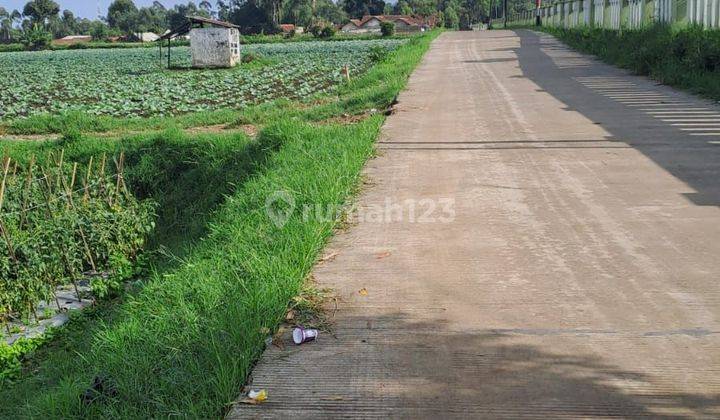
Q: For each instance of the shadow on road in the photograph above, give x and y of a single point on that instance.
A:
(498, 372)
(693, 159)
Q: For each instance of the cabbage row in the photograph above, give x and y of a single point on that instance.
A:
(135, 82)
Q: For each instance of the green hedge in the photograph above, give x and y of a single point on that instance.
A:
(688, 58)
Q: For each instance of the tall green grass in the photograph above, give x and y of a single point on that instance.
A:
(687, 57)
(184, 342)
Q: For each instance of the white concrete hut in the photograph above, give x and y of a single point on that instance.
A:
(213, 43)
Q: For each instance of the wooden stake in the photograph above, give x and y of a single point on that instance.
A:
(68, 194)
(60, 164)
(72, 179)
(86, 195)
(101, 177)
(27, 191)
(5, 168)
(68, 266)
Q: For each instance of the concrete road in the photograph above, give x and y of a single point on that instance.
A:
(578, 276)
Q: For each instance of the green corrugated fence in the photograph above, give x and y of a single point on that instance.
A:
(616, 14)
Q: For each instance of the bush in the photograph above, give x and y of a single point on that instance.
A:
(65, 223)
(248, 57)
(12, 47)
(37, 38)
(328, 32)
(688, 58)
(322, 29)
(387, 28)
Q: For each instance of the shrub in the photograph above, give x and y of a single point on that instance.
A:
(322, 29)
(37, 38)
(12, 47)
(328, 32)
(688, 57)
(387, 28)
(59, 222)
(378, 53)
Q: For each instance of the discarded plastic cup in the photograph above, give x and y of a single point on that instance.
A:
(302, 335)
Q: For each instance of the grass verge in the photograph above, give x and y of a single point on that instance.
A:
(687, 58)
(184, 343)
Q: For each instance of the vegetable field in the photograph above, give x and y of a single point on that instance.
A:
(136, 82)
(163, 222)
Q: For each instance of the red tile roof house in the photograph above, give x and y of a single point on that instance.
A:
(371, 24)
(287, 28)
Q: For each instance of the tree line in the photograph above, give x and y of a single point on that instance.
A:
(123, 17)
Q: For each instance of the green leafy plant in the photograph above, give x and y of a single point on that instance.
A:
(387, 28)
(37, 38)
(58, 223)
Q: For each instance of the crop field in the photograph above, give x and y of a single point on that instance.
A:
(136, 82)
(143, 191)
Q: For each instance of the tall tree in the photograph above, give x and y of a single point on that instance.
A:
(6, 22)
(39, 11)
(329, 11)
(256, 15)
(123, 15)
(223, 10)
(176, 16)
(16, 17)
(151, 19)
(206, 7)
(360, 8)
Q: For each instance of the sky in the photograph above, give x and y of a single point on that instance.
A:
(87, 8)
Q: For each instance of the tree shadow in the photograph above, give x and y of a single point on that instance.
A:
(690, 156)
(391, 366)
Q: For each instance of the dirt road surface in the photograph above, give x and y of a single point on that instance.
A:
(570, 266)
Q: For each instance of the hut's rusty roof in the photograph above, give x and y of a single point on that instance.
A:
(194, 22)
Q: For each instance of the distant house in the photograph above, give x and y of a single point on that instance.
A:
(352, 26)
(288, 28)
(371, 24)
(72, 39)
(146, 36)
(213, 43)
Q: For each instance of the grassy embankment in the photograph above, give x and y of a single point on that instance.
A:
(183, 343)
(688, 58)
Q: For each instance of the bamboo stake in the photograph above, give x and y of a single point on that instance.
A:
(74, 173)
(68, 193)
(60, 165)
(86, 183)
(101, 176)
(11, 249)
(122, 174)
(3, 230)
(48, 193)
(5, 168)
(27, 191)
(68, 266)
